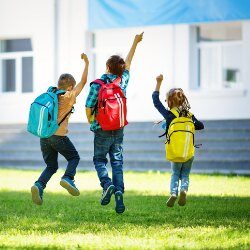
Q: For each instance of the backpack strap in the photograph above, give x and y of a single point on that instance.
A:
(52, 89)
(71, 111)
(117, 81)
(56, 90)
(98, 81)
(175, 111)
(62, 92)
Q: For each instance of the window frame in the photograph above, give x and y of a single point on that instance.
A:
(17, 56)
(195, 62)
(219, 45)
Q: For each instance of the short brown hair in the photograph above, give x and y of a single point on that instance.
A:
(116, 65)
(66, 80)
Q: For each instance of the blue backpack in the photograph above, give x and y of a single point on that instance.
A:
(44, 113)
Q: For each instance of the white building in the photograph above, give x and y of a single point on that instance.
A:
(41, 39)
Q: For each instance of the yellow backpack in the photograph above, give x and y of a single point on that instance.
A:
(180, 138)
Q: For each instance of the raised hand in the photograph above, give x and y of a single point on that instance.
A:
(139, 37)
(159, 80)
(85, 58)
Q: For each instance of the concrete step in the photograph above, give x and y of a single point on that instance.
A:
(137, 155)
(198, 166)
(157, 145)
(141, 127)
(27, 149)
(141, 137)
(213, 124)
(225, 147)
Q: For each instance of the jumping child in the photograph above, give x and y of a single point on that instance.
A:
(59, 142)
(110, 141)
(178, 107)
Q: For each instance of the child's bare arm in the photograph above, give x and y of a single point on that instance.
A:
(137, 39)
(78, 88)
(159, 80)
(90, 115)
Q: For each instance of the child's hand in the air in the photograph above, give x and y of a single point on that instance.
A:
(85, 58)
(139, 37)
(159, 80)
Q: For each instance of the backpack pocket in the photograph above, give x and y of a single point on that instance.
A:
(180, 140)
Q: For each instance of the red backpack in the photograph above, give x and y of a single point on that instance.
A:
(112, 108)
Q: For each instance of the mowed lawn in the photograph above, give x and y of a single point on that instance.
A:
(217, 214)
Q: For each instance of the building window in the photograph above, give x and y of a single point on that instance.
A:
(219, 55)
(16, 66)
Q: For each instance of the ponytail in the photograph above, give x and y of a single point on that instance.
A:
(177, 98)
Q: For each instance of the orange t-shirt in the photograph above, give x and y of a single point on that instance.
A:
(65, 104)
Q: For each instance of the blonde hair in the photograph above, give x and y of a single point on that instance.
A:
(65, 81)
(177, 99)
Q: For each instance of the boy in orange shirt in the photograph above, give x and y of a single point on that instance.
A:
(59, 142)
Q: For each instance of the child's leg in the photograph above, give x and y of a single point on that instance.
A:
(66, 148)
(102, 142)
(176, 172)
(184, 175)
(185, 171)
(50, 157)
(174, 183)
(116, 160)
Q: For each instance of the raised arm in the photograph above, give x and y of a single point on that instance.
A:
(159, 80)
(156, 100)
(78, 88)
(129, 58)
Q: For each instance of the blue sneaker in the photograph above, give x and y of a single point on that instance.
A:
(70, 186)
(37, 194)
(106, 195)
(120, 207)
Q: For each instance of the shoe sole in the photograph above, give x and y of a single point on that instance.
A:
(120, 208)
(106, 200)
(35, 196)
(171, 201)
(183, 198)
(73, 191)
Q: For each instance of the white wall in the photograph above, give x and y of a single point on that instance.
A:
(170, 50)
(53, 55)
(58, 38)
(72, 39)
(28, 19)
(154, 55)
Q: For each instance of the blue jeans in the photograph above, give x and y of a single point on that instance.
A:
(180, 171)
(109, 142)
(50, 148)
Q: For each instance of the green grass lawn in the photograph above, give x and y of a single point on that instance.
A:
(217, 214)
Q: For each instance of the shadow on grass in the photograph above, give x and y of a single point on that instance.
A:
(63, 213)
